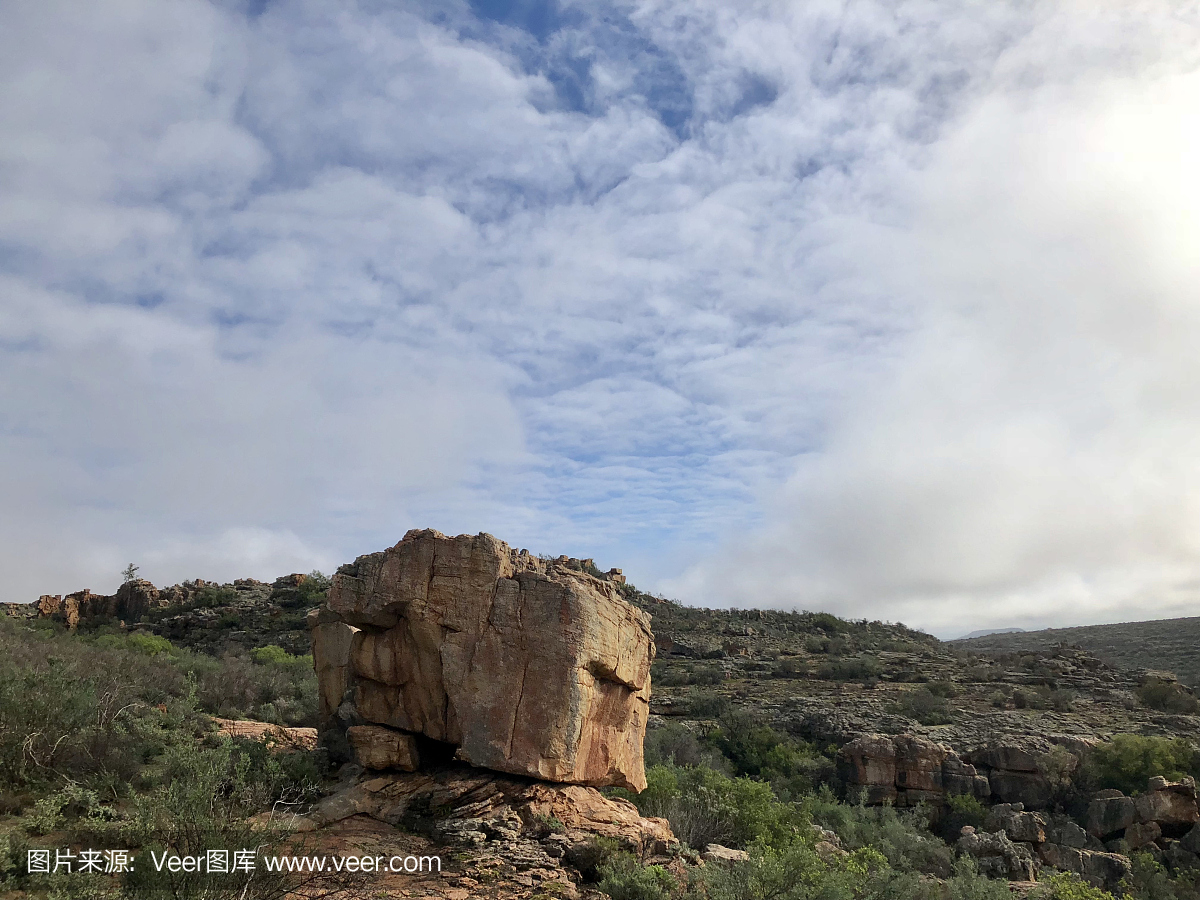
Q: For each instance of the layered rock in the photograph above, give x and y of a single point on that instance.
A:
(522, 665)
(1171, 807)
(907, 770)
(132, 600)
(1014, 775)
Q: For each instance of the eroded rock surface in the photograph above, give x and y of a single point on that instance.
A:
(907, 770)
(523, 665)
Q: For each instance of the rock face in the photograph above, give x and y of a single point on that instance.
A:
(907, 770)
(520, 664)
(132, 600)
(383, 748)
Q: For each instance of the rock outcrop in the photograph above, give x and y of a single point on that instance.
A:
(906, 770)
(132, 600)
(1169, 806)
(1014, 775)
(518, 664)
(1161, 821)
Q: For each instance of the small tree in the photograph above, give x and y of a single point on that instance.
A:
(129, 573)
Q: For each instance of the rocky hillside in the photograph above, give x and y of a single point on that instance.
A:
(1169, 644)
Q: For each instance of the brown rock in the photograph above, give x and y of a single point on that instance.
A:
(1012, 759)
(1140, 834)
(1028, 788)
(1105, 869)
(331, 646)
(376, 747)
(997, 856)
(526, 666)
(717, 853)
(1109, 815)
(1173, 805)
(277, 737)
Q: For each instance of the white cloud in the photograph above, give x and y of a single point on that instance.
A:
(882, 306)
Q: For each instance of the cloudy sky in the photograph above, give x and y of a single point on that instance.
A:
(887, 308)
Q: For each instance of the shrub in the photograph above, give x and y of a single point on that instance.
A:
(623, 878)
(150, 644)
(902, 836)
(925, 706)
(1069, 886)
(673, 743)
(856, 668)
(795, 870)
(707, 807)
(1167, 696)
(212, 595)
(759, 751)
(1129, 760)
(707, 704)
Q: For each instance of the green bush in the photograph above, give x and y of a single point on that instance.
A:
(1167, 696)
(707, 704)
(150, 644)
(1069, 886)
(902, 836)
(856, 668)
(707, 807)
(675, 744)
(1129, 760)
(624, 878)
(793, 766)
(925, 706)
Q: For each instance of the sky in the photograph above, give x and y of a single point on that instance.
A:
(883, 308)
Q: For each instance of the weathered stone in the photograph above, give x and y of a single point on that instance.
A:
(716, 853)
(376, 747)
(869, 761)
(1140, 834)
(919, 763)
(1026, 827)
(1028, 788)
(1110, 815)
(1191, 841)
(331, 646)
(1174, 804)
(1063, 858)
(1066, 833)
(524, 665)
(959, 777)
(907, 770)
(1105, 869)
(1176, 856)
(997, 856)
(1011, 759)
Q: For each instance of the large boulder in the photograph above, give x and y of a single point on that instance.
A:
(1168, 803)
(1108, 814)
(522, 665)
(996, 856)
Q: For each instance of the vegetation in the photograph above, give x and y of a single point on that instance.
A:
(1129, 760)
(1168, 696)
(103, 744)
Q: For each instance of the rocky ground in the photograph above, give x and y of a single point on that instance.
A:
(829, 680)
(1164, 644)
(909, 719)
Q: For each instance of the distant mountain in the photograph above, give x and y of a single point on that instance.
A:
(985, 632)
(1165, 644)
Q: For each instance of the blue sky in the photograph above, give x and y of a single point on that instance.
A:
(882, 308)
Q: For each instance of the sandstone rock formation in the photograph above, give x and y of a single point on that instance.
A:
(132, 600)
(1170, 806)
(1161, 821)
(519, 664)
(907, 770)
